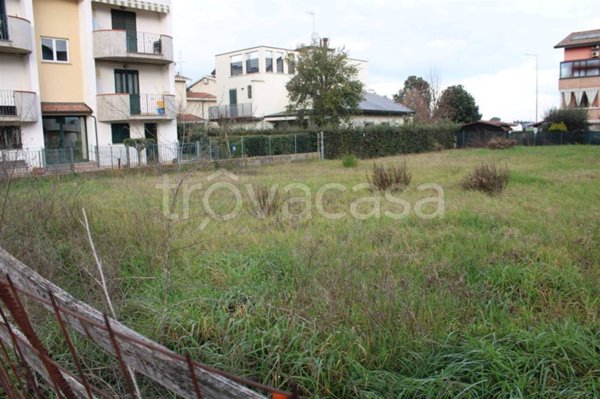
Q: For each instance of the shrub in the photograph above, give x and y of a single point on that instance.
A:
(349, 161)
(558, 127)
(490, 178)
(266, 202)
(393, 178)
(501, 143)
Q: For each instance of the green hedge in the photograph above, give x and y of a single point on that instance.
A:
(371, 142)
(381, 141)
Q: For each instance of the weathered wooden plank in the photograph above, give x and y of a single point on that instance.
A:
(33, 360)
(149, 359)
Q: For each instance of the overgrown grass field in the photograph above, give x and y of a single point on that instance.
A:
(498, 298)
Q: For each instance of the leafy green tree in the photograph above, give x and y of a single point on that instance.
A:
(574, 119)
(457, 105)
(325, 87)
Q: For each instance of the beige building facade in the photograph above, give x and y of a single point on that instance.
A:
(84, 74)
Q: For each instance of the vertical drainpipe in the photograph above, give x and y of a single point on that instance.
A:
(97, 147)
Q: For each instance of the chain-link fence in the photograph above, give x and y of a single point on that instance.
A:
(65, 160)
(482, 138)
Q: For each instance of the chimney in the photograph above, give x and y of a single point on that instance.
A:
(325, 42)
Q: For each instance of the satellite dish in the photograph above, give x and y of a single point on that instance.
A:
(315, 38)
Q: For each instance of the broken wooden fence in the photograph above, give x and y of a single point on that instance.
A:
(25, 359)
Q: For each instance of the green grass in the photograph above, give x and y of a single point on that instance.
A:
(499, 298)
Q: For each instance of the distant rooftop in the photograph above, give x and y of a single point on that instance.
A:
(376, 104)
(578, 39)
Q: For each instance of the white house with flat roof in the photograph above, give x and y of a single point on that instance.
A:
(251, 91)
(251, 83)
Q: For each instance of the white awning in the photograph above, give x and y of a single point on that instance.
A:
(138, 4)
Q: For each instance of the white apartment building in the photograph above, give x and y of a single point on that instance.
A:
(251, 90)
(251, 82)
(82, 74)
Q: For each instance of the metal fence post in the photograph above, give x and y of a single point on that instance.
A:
(242, 149)
(43, 158)
(128, 157)
(179, 152)
(322, 146)
(98, 156)
(112, 164)
(270, 150)
(197, 150)
(71, 159)
(210, 149)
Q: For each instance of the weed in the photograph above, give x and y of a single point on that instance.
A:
(489, 177)
(501, 143)
(349, 161)
(265, 201)
(393, 178)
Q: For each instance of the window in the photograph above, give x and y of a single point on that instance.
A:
(55, 50)
(252, 62)
(279, 61)
(577, 69)
(269, 61)
(236, 65)
(10, 138)
(120, 132)
(291, 64)
(250, 91)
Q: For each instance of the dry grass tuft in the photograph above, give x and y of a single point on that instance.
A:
(489, 177)
(393, 178)
(266, 201)
(501, 143)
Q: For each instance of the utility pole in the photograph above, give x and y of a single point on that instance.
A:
(537, 73)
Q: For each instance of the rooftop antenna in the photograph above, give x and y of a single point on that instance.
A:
(180, 63)
(315, 36)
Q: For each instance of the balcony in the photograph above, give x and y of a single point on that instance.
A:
(18, 106)
(143, 107)
(15, 35)
(131, 46)
(227, 112)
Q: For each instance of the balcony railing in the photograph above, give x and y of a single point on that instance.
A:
(15, 35)
(121, 45)
(125, 107)
(18, 106)
(236, 111)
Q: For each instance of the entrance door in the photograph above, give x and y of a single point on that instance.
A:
(151, 132)
(128, 81)
(233, 103)
(126, 20)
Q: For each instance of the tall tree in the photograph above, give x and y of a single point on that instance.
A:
(457, 105)
(326, 86)
(414, 84)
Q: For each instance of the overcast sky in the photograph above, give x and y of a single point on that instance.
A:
(480, 44)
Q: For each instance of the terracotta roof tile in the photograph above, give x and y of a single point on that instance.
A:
(189, 118)
(66, 108)
(201, 95)
(577, 39)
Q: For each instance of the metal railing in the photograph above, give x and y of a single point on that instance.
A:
(8, 106)
(148, 104)
(527, 138)
(144, 43)
(236, 111)
(20, 162)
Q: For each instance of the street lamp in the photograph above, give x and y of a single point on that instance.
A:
(537, 73)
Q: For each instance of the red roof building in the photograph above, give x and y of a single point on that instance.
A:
(579, 82)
